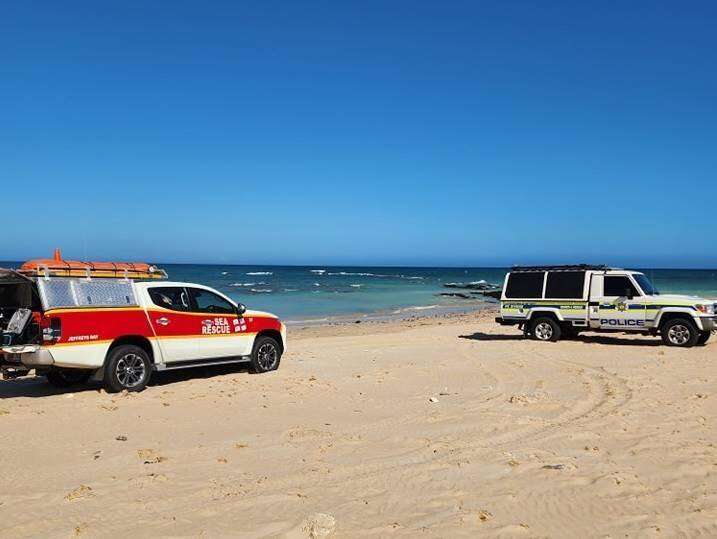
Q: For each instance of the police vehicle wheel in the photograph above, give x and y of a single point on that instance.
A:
(679, 332)
(67, 377)
(703, 337)
(127, 369)
(266, 355)
(545, 329)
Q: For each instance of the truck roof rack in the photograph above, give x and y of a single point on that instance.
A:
(572, 267)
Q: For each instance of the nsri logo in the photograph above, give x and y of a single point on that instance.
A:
(239, 325)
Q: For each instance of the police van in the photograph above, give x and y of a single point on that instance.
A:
(550, 302)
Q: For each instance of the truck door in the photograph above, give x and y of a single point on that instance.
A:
(224, 331)
(176, 328)
(621, 306)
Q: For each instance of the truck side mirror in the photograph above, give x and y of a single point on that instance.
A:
(241, 309)
(628, 293)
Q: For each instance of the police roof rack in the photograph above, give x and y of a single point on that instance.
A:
(572, 267)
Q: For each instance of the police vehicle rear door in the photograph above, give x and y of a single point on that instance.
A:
(621, 305)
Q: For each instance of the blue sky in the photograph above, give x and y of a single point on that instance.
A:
(409, 133)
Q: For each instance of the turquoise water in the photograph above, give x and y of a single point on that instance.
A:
(322, 292)
(319, 292)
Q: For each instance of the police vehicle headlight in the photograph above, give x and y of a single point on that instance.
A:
(705, 309)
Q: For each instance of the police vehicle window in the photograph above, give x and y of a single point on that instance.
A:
(646, 285)
(204, 301)
(618, 286)
(565, 284)
(169, 297)
(525, 285)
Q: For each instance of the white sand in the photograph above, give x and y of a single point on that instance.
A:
(602, 437)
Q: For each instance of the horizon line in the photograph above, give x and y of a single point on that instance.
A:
(415, 266)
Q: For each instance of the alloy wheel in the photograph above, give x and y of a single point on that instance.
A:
(130, 370)
(544, 331)
(267, 356)
(679, 334)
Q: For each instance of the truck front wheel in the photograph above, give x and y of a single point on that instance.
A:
(127, 369)
(545, 329)
(266, 355)
(679, 332)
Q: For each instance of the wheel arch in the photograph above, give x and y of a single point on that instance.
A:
(137, 340)
(547, 312)
(274, 334)
(666, 315)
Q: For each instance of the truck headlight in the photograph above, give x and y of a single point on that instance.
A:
(706, 309)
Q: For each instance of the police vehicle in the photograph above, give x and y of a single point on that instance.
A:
(550, 302)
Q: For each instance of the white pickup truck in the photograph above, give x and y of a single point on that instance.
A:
(548, 302)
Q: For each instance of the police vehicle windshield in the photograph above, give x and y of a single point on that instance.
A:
(645, 284)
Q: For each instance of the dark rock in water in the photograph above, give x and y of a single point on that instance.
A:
(462, 295)
(475, 285)
(477, 288)
(357, 322)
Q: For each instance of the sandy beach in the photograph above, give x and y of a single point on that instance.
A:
(441, 427)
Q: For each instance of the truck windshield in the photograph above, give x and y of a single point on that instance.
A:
(645, 284)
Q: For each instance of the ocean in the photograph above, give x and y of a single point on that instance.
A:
(324, 293)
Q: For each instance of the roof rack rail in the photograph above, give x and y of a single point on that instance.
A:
(571, 267)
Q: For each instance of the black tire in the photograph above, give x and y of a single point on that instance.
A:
(266, 355)
(67, 377)
(545, 329)
(703, 337)
(127, 368)
(680, 332)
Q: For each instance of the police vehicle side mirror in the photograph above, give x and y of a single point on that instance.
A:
(628, 293)
(241, 309)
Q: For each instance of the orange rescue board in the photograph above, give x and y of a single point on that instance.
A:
(57, 267)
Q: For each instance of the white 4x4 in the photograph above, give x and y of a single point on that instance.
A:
(548, 302)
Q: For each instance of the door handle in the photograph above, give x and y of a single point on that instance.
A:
(162, 321)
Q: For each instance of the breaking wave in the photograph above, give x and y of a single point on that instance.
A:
(381, 275)
(415, 308)
(260, 273)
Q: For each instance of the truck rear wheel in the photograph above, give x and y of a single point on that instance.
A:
(703, 337)
(266, 355)
(545, 329)
(679, 332)
(67, 377)
(127, 369)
